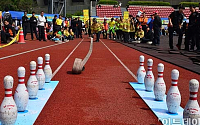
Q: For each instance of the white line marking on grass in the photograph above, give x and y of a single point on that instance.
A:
(129, 71)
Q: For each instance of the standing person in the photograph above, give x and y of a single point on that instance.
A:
(7, 16)
(33, 24)
(192, 27)
(59, 23)
(105, 29)
(150, 24)
(132, 28)
(126, 29)
(74, 28)
(79, 27)
(96, 28)
(175, 21)
(143, 21)
(117, 28)
(111, 28)
(66, 23)
(70, 23)
(54, 23)
(41, 26)
(198, 32)
(137, 22)
(157, 23)
(25, 22)
(121, 22)
(89, 28)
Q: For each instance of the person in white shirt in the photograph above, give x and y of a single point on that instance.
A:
(41, 26)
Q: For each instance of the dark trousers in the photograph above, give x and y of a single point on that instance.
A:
(132, 35)
(126, 37)
(117, 34)
(5, 36)
(121, 34)
(144, 28)
(144, 40)
(41, 33)
(89, 31)
(79, 32)
(156, 39)
(171, 31)
(198, 40)
(105, 34)
(33, 29)
(25, 27)
(98, 36)
(193, 36)
(186, 40)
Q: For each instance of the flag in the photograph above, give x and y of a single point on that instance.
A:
(139, 12)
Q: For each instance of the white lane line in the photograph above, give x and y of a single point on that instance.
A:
(66, 59)
(129, 71)
(29, 51)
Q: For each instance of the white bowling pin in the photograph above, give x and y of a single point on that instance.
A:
(8, 110)
(141, 71)
(32, 84)
(21, 93)
(173, 96)
(191, 111)
(40, 73)
(149, 77)
(47, 69)
(159, 86)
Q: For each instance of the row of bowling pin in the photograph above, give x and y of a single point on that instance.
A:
(173, 98)
(10, 106)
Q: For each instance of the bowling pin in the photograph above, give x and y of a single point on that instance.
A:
(32, 84)
(159, 86)
(8, 110)
(149, 77)
(21, 93)
(191, 111)
(40, 73)
(141, 71)
(173, 96)
(47, 69)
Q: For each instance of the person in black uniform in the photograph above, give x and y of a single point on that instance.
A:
(175, 21)
(33, 24)
(54, 23)
(7, 32)
(79, 27)
(25, 21)
(193, 27)
(157, 23)
(198, 33)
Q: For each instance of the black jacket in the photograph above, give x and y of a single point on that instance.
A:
(157, 23)
(176, 18)
(9, 29)
(33, 21)
(149, 35)
(25, 21)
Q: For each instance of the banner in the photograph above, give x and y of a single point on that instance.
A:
(126, 14)
(86, 14)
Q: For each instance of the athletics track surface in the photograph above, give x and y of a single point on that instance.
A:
(101, 95)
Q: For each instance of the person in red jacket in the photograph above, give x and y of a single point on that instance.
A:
(105, 29)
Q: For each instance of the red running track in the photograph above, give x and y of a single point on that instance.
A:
(101, 94)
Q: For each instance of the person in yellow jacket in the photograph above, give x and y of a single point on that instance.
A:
(117, 27)
(96, 28)
(121, 23)
(126, 29)
(132, 28)
(111, 25)
(139, 33)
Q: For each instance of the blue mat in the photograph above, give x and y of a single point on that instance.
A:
(35, 106)
(158, 107)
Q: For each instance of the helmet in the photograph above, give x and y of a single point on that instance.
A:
(112, 18)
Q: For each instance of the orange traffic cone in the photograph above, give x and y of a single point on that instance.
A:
(21, 36)
(45, 33)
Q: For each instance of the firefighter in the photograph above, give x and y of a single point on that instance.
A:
(96, 28)
(121, 23)
(117, 28)
(126, 29)
(112, 28)
(105, 29)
